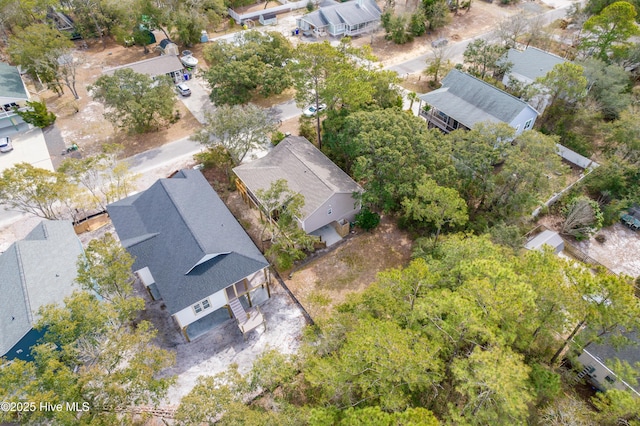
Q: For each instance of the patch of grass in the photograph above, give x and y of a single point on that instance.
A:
(353, 260)
(319, 298)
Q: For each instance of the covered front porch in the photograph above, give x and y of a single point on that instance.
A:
(249, 302)
(437, 119)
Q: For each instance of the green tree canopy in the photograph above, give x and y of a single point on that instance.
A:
(37, 191)
(239, 128)
(482, 57)
(94, 352)
(252, 63)
(609, 85)
(31, 48)
(135, 102)
(609, 31)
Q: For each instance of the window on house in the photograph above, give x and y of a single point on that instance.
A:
(610, 379)
(201, 306)
(330, 210)
(528, 124)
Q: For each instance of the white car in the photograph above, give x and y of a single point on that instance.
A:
(310, 111)
(5, 144)
(183, 89)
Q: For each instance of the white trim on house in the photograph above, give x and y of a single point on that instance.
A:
(600, 372)
(145, 276)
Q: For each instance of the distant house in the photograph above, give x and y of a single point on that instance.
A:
(328, 191)
(336, 19)
(596, 359)
(36, 271)
(13, 93)
(463, 101)
(168, 65)
(527, 66)
(191, 252)
(546, 238)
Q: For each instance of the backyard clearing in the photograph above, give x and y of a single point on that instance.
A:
(213, 352)
(619, 251)
(350, 268)
(333, 273)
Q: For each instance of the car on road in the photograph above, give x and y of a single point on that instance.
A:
(310, 111)
(5, 144)
(441, 42)
(183, 89)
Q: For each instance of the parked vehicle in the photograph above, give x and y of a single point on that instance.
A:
(183, 89)
(5, 144)
(441, 42)
(310, 111)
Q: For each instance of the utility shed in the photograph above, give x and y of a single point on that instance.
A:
(549, 238)
(36, 271)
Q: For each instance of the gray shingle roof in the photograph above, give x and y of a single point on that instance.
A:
(350, 13)
(36, 271)
(176, 228)
(160, 65)
(305, 168)
(11, 85)
(532, 62)
(470, 100)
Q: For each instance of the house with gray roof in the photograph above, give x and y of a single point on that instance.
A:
(529, 64)
(191, 253)
(168, 65)
(13, 93)
(526, 67)
(330, 195)
(597, 358)
(36, 271)
(337, 19)
(464, 100)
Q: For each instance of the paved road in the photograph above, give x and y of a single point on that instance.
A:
(455, 50)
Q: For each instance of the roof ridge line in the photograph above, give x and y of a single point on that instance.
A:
(180, 213)
(496, 88)
(333, 190)
(23, 283)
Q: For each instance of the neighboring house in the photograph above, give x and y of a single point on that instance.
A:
(464, 100)
(191, 252)
(595, 357)
(13, 93)
(527, 66)
(530, 64)
(160, 65)
(329, 193)
(36, 271)
(546, 238)
(341, 19)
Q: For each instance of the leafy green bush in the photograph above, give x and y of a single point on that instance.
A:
(38, 115)
(583, 218)
(367, 219)
(307, 130)
(546, 383)
(416, 25)
(276, 137)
